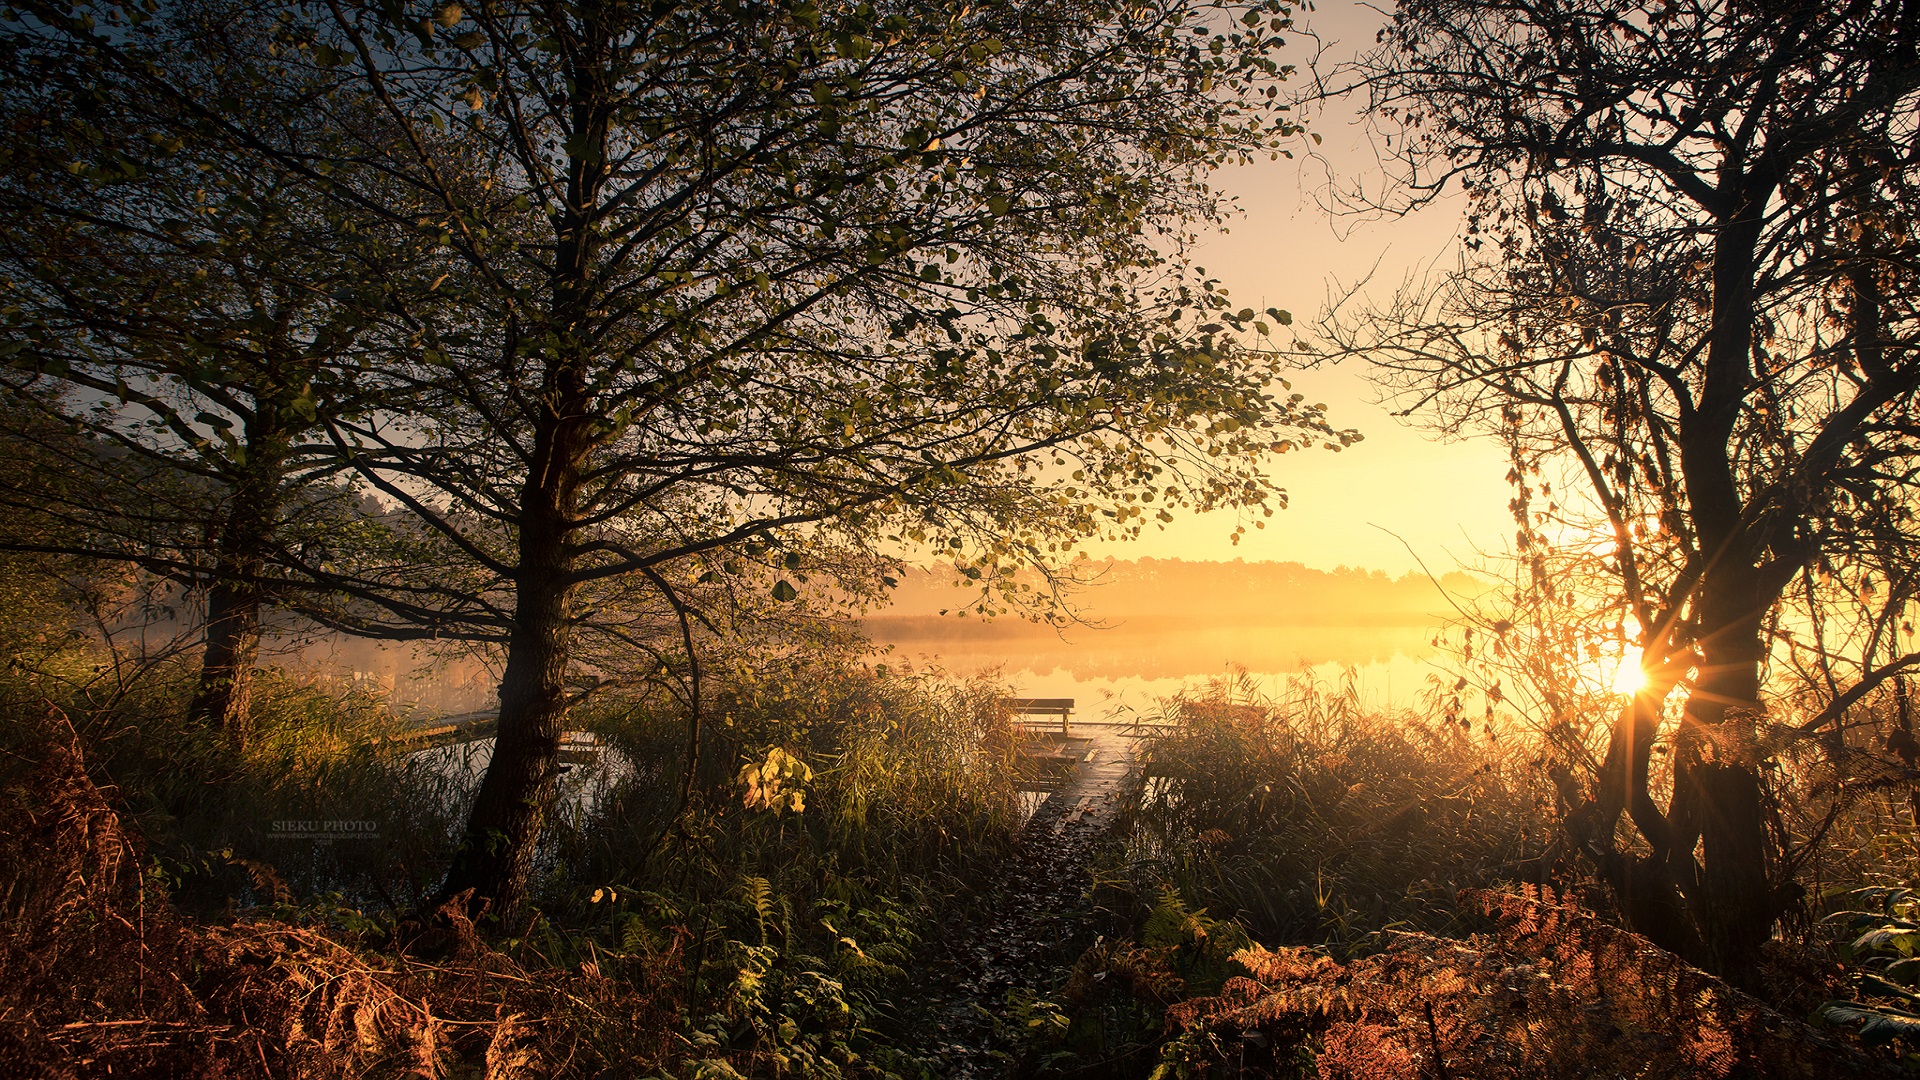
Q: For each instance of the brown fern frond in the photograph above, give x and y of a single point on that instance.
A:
(1555, 992)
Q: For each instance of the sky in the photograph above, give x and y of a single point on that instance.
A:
(1401, 488)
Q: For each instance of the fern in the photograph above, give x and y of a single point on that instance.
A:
(759, 892)
(1555, 992)
(1172, 924)
(633, 933)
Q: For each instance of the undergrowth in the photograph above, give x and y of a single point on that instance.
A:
(1309, 888)
(1551, 991)
(163, 923)
(1304, 888)
(1305, 818)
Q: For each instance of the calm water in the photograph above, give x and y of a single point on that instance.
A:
(1128, 666)
(1132, 665)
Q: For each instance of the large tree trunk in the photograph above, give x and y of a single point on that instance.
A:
(494, 862)
(222, 697)
(1718, 796)
(495, 859)
(1717, 799)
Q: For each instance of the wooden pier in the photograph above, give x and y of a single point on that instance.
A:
(576, 747)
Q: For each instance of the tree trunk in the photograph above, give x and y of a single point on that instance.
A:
(221, 699)
(494, 861)
(1717, 800)
(1646, 893)
(1717, 790)
(495, 856)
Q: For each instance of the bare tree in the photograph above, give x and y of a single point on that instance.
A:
(1690, 278)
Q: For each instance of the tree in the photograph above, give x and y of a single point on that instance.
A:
(1691, 273)
(192, 314)
(725, 283)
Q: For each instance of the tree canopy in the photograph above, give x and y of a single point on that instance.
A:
(188, 310)
(705, 284)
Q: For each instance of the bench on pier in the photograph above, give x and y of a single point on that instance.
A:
(1048, 756)
(1061, 707)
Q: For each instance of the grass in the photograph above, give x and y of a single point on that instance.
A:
(1308, 819)
(694, 940)
(1302, 879)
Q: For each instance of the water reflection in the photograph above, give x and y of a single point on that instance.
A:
(1131, 665)
(1128, 665)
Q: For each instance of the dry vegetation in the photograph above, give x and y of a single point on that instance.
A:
(1306, 888)
(1554, 991)
(1310, 888)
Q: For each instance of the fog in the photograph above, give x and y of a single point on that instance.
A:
(1153, 626)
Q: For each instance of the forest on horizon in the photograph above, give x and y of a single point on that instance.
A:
(1235, 593)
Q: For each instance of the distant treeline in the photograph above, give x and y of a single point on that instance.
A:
(1234, 593)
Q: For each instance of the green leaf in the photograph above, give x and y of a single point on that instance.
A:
(1886, 939)
(784, 591)
(303, 405)
(1878, 987)
(1876, 1025)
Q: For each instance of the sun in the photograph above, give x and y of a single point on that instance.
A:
(1629, 678)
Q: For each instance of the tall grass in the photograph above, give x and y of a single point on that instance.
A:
(1308, 818)
(215, 823)
(912, 776)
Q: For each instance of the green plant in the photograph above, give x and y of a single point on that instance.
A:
(1034, 1029)
(1881, 944)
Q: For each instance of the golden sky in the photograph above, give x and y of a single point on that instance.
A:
(1446, 499)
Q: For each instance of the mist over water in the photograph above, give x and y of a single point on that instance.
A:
(1153, 627)
(1131, 665)
(415, 678)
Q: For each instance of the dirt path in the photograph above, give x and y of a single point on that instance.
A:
(1035, 921)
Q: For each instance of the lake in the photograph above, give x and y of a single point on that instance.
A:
(1130, 665)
